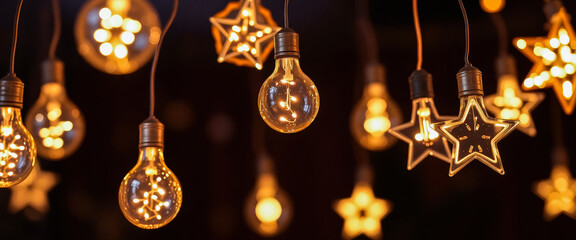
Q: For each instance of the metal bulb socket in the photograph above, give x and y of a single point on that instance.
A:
(469, 81)
(11, 91)
(151, 133)
(286, 44)
(505, 65)
(53, 71)
(421, 84)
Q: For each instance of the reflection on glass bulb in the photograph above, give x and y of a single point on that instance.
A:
(288, 99)
(268, 209)
(17, 148)
(55, 122)
(150, 195)
(372, 116)
(117, 36)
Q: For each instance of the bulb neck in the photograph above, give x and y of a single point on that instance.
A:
(53, 71)
(551, 7)
(374, 73)
(11, 91)
(469, 81)
(421, 84)
(151, 133)
(505, 65)
(286, 44)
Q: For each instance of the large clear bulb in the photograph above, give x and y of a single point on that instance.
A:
(374, 115)
(268, 209)
(288, 99)
(117, 36)
(17, 148)
(54, 120)
(150, 195)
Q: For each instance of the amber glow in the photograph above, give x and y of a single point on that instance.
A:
(116, 30)
(268, 209)
(558, 193)
(362, 212)
(240, 37)
(492, 6)
(554, 59)
(33, 193)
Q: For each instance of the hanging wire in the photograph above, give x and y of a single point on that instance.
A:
(466, 31)
(156, 53)
(502, 32)
(57, 28)
(15, 36)
(418, 33)
(286, 25)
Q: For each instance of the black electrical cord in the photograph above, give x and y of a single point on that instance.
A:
(466, 32)
(57, 29)
(15, 36)
(286, 25)
(156, 53)
(418, 33)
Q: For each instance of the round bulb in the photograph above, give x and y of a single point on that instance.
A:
(150, 195)
(56, 123)
(288, 100)
(17, 148)
(268, 209)
(117, 36)
(373, 116)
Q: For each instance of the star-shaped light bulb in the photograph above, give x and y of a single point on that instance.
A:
(33, 193)
(558, 193)
(243, 33)
(421, 137)
(474, 134)
(554, 59)
(362, 212)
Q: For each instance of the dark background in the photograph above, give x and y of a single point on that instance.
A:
(208, 110)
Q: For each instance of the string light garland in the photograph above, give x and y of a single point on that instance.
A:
(54, 120)
(474, 134)
(17, 147)
(421, 137)
(117, 36)
(288, 100)
(150, 195)
(243, 33)
(554, 58)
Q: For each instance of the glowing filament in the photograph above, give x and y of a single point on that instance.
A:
(108, 34)
(52, 135)
(151, 203)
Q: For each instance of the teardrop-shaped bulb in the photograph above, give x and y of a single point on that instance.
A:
(17, 148)
(268, 209)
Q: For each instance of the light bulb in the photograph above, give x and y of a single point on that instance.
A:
(375, 113)
(288, 100)
(150, 195)
(55, 122)
(492, 6)
(268, 209)
(117, 36)
(17, 148)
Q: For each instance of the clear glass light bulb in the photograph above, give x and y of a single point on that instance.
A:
(150, 195)
(117, 36)
(372, 116)
(288, 99)
(268, 209)
(56, 123)
(17, 148)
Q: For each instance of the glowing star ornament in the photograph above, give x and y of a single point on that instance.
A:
(33, 193)
(474, 134)
(243, 33)
(362, 212)
(554, 59)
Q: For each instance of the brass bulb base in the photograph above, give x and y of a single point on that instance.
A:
(53, 71)
(469, 81)
(11, 91)
(505, 65)
(286, 44)
(421, 84)
(374, 73)
(151, 133)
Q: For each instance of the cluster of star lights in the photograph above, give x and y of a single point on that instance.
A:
(243, 33)
(554, 59)
(115, 33)
(152, 201)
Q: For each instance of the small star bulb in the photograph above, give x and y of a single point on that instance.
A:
(558, 193)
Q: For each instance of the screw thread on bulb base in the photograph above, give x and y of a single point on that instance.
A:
(53, 71)
(11, 91)
(469, 81)
(505, 65)
(286, 44)
(151, 133)
(421, 84)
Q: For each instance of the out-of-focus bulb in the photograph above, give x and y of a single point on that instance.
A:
(150, 195)
(268, 209)
(374, 115)
(117, 36)
(558, 192)
(492, 6)
(54, 120)
(288, 100)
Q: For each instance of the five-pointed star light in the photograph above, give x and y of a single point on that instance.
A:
(558, 193)
(509, 102)
(422, 139)
(554, 60)
(243, 33)
(362, 212)
(475, 135)
(33, 191)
